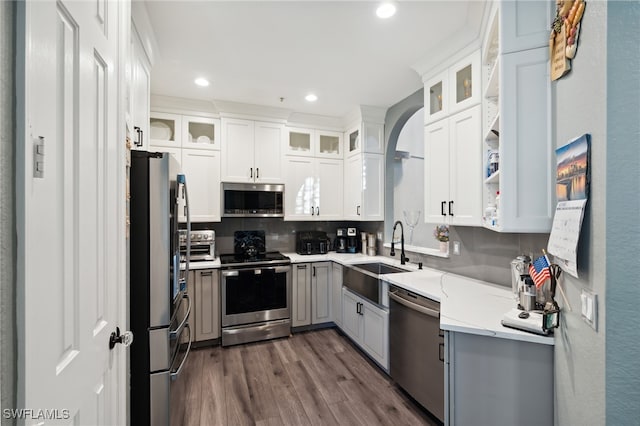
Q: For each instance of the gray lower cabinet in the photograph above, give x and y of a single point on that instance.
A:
(336, 293)
(367, 325)
(493, 381)
(311, 294)
(205, 304)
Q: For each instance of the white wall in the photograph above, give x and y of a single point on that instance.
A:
(579, 104)
(408, 190)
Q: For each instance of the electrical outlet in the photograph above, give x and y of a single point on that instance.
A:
(589, 302)
(456, 247)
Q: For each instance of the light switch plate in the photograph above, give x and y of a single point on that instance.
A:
(456, 247)
(589, 311)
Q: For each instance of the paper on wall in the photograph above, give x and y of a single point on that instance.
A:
(565, 233)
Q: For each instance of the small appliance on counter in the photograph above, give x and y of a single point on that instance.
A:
(203, 245)
(341, 240)
(312, 242)
(529, 315)
(352, 240)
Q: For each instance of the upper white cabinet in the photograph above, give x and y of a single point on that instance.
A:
(139, 93)
(518, 159)
(200, 132)
(453, 176)
(364, 187)
(313, 143)
(251, 151)
(365, 137)
(199, 159)
(524, 24)
(313, 188)
(454, 89)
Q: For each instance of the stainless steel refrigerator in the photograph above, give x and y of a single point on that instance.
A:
(159, 304)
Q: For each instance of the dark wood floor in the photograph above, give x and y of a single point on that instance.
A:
(311, 378)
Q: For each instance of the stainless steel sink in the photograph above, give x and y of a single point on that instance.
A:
(364, 279)
(379, 268)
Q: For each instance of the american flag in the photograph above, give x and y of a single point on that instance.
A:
(539, 270)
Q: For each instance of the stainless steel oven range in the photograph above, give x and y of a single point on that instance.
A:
(256, 291)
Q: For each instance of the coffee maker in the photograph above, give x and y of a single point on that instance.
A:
(341, 240)
(352, 240)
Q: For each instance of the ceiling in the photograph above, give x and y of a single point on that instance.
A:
(261, 51)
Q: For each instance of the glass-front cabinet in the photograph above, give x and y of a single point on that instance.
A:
(165, 129)
(313, 143)
(200, 132)
(453, 90)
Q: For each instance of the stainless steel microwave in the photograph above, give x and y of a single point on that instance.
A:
(252, 200)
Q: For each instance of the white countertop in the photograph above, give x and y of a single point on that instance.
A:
(466, 305)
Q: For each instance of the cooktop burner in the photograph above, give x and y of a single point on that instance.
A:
(241, 259)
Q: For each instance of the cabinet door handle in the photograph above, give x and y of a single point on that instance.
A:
(257, 172)
(206, 273)
(140, 132)
(451, 208)
(251, 171)
(358, 210)
(302, 266)
(314, 271)
(317, 211)
(441, 352)
(442, 208)
(312, 211)
(185, 211)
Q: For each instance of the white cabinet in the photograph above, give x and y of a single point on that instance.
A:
(202, 170)
(139, 93)
(517, 123)
(454, 89)
(453, 178)
(367, 325)
(251, 151)
(313, 143)
(364, 187)
(205, 313)
(336, 293)
(311, 294)
(200, 132)
(313, 188)
(199, 159)
(365, 137)
(524, 24)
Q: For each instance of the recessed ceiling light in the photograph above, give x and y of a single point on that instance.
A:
(311, 97)
(202, 82)
(386, 10)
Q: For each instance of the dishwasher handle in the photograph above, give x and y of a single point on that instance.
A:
(401, 300)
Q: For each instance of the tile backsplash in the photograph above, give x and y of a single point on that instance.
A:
(484, 254)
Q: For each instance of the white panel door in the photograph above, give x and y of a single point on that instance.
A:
(351, 322)
(72, 273)
(375, 332)
(436, 171)
(268, 152)
(353, 187)
(372, 187)
(140, 91)
(465, 188)
(300, 196)
(330, 184)
(237, 150)
(202, 170)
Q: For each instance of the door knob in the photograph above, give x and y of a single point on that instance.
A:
(125, 338)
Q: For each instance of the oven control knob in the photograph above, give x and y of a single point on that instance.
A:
(205, 237)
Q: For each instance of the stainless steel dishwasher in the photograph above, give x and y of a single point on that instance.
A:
(416, 348)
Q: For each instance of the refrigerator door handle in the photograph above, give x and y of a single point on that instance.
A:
(182, 180)
(176, 373)
(173, 334)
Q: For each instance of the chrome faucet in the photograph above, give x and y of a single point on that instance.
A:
(403, 258)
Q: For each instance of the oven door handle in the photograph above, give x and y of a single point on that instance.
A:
(277, 269)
